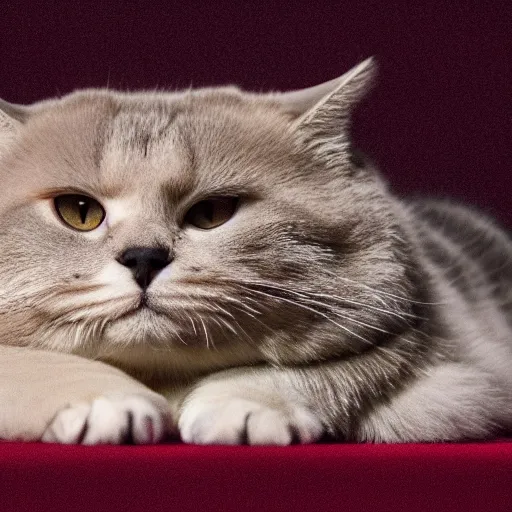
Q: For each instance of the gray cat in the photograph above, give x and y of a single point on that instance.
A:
(221, 264)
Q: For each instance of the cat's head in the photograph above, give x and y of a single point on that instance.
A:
(209, 221)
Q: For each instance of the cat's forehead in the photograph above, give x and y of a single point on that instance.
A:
(122, 142)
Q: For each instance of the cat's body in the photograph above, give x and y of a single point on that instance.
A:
(251, 273)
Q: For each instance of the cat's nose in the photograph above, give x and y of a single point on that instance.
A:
(145, 263)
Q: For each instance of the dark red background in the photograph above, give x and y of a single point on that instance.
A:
(439, 122)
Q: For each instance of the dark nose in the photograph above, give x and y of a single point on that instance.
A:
(145, 263)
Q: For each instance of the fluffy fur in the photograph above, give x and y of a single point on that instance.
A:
(324, 306)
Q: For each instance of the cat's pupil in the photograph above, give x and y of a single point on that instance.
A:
(83, 208)
(208, 210)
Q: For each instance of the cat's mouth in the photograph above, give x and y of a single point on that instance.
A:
(143, 301)
(143, 306)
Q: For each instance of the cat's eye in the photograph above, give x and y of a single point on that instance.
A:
(212, 212)
(79, 212)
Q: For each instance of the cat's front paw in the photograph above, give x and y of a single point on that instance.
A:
(111, 419)
(246, 421)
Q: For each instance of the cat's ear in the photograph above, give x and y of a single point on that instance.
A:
(331, 99)
(12, 118)
(321, 114)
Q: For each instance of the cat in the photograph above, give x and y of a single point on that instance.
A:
(223, 266)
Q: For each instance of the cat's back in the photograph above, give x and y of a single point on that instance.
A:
(473, 253)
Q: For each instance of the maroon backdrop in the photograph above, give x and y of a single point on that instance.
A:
(439, 122)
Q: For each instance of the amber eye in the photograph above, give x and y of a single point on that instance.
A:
(79, 212)
(211, 213)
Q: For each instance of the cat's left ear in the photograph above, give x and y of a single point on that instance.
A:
(326, 108)
(12, 118)
(342, 93)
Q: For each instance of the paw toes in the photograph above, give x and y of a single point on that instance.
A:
(211, 424)
(147, 429)
(306, 427)
(69, 426)
(109, 420)
(268, 427)
(240, 421)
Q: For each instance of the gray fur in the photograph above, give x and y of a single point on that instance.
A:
(325, 306)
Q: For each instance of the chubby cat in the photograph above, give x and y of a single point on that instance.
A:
(222, 265)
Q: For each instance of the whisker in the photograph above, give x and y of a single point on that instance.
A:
(255, 318)
(380, 292)
(193, 324)
(249, 308)
(222, 329)
(220, 308)
(332, 297)
(226, 323)
(180, 338)
(205, 333)
(363, 324)
(279, 298)
(251, 341)
(246, 312)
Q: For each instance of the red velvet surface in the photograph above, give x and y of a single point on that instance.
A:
(415, 477)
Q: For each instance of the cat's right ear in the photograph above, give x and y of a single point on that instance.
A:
(12, 118)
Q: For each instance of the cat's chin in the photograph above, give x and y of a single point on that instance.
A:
(145, 343)
(142, 326)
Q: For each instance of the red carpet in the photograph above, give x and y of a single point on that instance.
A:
(371, 478)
